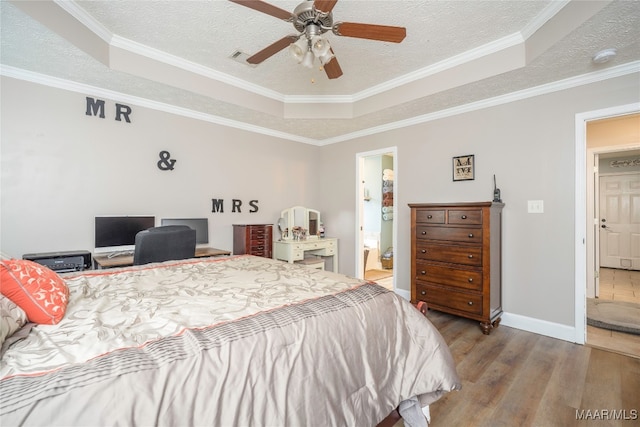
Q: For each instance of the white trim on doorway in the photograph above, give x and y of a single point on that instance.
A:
(359, 246)
(581, 210)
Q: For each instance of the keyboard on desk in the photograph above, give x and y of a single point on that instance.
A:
(119, 253)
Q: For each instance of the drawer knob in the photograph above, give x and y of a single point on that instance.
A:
(423, 272)
(471, 235)
(424, 251)
(470, 279)
(260, 247)
(423, 233)
(423, 292)
(429, 216)
(463, 217)
(470, 256)
(470, 303)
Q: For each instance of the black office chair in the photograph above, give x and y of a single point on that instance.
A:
(169, 242)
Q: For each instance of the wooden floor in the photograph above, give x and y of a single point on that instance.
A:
(518, 378)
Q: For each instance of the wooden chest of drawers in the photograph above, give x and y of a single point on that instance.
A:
(253, 239)
(456, 259)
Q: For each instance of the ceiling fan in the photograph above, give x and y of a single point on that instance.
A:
(311, 19)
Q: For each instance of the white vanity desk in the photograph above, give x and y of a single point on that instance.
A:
(300, 228)
(294, 250)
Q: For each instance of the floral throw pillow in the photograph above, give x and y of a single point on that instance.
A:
(36, 289)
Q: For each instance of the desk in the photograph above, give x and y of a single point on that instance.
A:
(294, 250)
(103, 261)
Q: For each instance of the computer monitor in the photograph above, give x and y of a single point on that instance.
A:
(119, 232)
(201, 225)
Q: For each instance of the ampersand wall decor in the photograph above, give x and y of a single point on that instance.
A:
(166, 163)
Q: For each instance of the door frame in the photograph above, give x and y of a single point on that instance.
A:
(584, 212)
(359, 232)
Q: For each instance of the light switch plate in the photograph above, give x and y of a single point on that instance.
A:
(535, 206)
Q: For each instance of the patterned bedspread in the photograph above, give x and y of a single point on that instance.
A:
(241, 340)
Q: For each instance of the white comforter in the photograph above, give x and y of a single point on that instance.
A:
(229, 341)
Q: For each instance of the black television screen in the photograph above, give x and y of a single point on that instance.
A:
(201, 225)
(120, 230)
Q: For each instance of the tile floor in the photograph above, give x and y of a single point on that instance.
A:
(617, 285)
(387, 282)
(620, 285)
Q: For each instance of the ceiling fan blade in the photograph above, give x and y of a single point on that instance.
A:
(271, 50)
(370, 31)
(324, 6)
(332, 68)
(265, 7)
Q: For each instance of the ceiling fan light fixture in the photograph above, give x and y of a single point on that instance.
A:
(307, 61)
(319, 46)
(299, 49)
(311, 19)
(326, 57)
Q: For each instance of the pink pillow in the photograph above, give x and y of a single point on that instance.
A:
(36, 289)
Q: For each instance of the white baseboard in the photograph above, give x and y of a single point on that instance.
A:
(537, 326)
(404, 294)
(529, 324)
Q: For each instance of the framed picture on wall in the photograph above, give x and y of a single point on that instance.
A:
(464, 168)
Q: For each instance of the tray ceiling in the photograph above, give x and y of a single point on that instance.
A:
(177, 56)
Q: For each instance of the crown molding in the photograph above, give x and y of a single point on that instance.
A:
(597, 76)
(549, 12)
(447, 64)
(319, 99)
(72, 8)
(609, 73)
(117, 42)
(176, 61)
(71, 86)
(140, 49)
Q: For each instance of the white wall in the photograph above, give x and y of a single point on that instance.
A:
(530, 146)
(61, 168)
(373, 185)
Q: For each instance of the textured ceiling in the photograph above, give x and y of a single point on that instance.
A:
(177, 55)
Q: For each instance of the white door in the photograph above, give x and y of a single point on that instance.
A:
(620, 221)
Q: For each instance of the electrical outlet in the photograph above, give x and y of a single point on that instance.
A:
(535, 206)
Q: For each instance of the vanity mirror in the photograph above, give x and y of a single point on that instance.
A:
(299, 222)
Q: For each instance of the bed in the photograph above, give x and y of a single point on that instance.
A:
(231, 341)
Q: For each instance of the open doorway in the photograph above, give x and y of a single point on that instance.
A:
(376, 225)
(611, 181)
